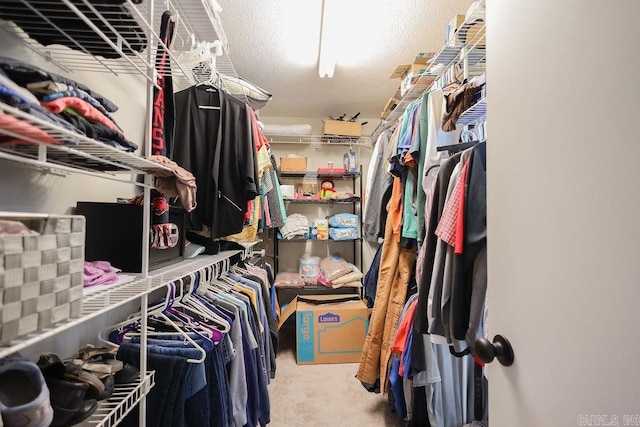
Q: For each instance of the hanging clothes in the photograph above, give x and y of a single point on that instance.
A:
(216, 145)
(396, 267)
(228, 386)
(163, 101)
(255, 209)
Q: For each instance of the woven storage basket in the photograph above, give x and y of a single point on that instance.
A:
(40, 275)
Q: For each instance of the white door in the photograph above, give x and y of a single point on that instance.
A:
(564, 211)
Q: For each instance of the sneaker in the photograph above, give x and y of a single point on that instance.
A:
(24, 396)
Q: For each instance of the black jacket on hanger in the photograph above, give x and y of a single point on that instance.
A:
(216, 145)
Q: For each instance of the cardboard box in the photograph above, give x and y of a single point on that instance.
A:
(451, 29)
(400, 71)
(337, 127)
(293, 164)
(416, 69)
(417, 83)
(391, 104)
(473, 35)
(329, 328)
(423, 58)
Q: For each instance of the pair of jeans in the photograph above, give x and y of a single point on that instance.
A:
(204, 405)
(166, 400)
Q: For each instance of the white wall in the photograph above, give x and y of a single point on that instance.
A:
(318, 157)
(28, 190)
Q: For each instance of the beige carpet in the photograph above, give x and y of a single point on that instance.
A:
(322, 395)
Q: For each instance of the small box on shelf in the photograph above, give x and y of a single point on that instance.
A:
(342, 128)
(416, 69)
(388, 108)
(293, 164)
(400, 71)
(451, 29)
(331, 171)
(423, 58)
(416, 82)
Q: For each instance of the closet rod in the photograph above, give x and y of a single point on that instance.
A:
(454, 148)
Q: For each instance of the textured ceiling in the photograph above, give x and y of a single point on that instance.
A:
(275, 45)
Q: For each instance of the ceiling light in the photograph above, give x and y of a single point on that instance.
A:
(329, 42)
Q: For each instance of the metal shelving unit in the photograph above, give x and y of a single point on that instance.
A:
(318, 140)
(469, 55)
(323, 201)
(107, 43)
(103, 47)
(296, 240)
(318, 175)
(356, 209)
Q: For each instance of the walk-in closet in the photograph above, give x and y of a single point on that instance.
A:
(326, 213)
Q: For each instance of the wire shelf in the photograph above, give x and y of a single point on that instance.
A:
(318, 139)
(174, 272)
(350, 201)
(77, 152)
(476, 113)
(467, 48)
(100, 302)
(316, 175)
(116, 39)
(125, 397)
(300, 240)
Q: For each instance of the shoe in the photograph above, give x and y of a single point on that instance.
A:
(66, 398)
(77, 374)
(128, 374)
(24, 396)
(100, 361)
(90, 352)
(51, 365)
(87, 408)
(109, 384)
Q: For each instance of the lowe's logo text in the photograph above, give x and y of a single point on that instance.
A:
(329, 318)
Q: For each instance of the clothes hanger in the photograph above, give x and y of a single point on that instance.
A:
(190, 300)
(201, 293)
(159, 313)
(211, 85)
(182, 302)
(203, 331)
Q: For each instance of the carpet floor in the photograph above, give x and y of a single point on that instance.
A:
(322, 395)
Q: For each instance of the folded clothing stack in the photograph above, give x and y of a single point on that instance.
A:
(99, 273)
(296, 226)
(58, 100)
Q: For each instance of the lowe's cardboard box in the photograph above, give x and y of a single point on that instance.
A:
(329, 328)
